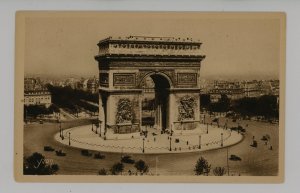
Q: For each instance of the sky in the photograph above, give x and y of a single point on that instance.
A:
(235, 47)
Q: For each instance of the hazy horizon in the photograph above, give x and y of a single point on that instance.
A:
(212, 77)
(234, 48)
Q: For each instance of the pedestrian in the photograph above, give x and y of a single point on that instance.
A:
(187, 142)
(154, 139)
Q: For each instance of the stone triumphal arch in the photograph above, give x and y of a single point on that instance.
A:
(173, 65)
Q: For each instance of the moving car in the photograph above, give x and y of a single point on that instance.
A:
(235, 158)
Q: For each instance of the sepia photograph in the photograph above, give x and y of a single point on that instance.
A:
(150, 97)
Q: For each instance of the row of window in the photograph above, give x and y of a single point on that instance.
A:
(38, 99)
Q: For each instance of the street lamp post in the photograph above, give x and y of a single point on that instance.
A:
(199, 142)
(69, 138)
(143, 145)
(92, 127)
(221, 139)
(170, 143)
(207, 128)
(100, 128)
(60, 130)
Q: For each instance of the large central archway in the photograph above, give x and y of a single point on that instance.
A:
(156, 89)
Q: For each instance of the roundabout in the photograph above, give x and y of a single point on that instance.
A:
(203, 138)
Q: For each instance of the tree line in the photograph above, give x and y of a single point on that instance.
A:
(73, 99)
(35, 110)
(265, 106)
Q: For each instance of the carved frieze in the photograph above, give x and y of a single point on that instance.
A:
(125, 112)
(124, 79)
(157, 45)
(187, 78)
(159, 65)
(186, 108)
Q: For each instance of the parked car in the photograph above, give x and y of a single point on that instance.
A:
(254, 144)
(235, 158)
(215, 120)
(99, 156)
(265, 137)
(242, 130)
(239, 129)
(60, 153)
(85, 152)
(127, 159)
(48, 148)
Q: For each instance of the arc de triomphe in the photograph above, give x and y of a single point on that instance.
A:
(174, 66)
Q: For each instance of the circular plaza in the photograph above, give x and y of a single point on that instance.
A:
(203, 138)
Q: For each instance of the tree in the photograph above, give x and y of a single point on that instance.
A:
(141, 166)
(36, 110)
(117, 168)
(219, 171)
(69, 98)
(223, 105)
(103, 172)
(54, 168)
(36, 165)
(265, 106)
(202, 167)
(54, 108)
(205, 100)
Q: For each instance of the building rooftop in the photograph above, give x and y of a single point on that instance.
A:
(151, 39)
(150, 46)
